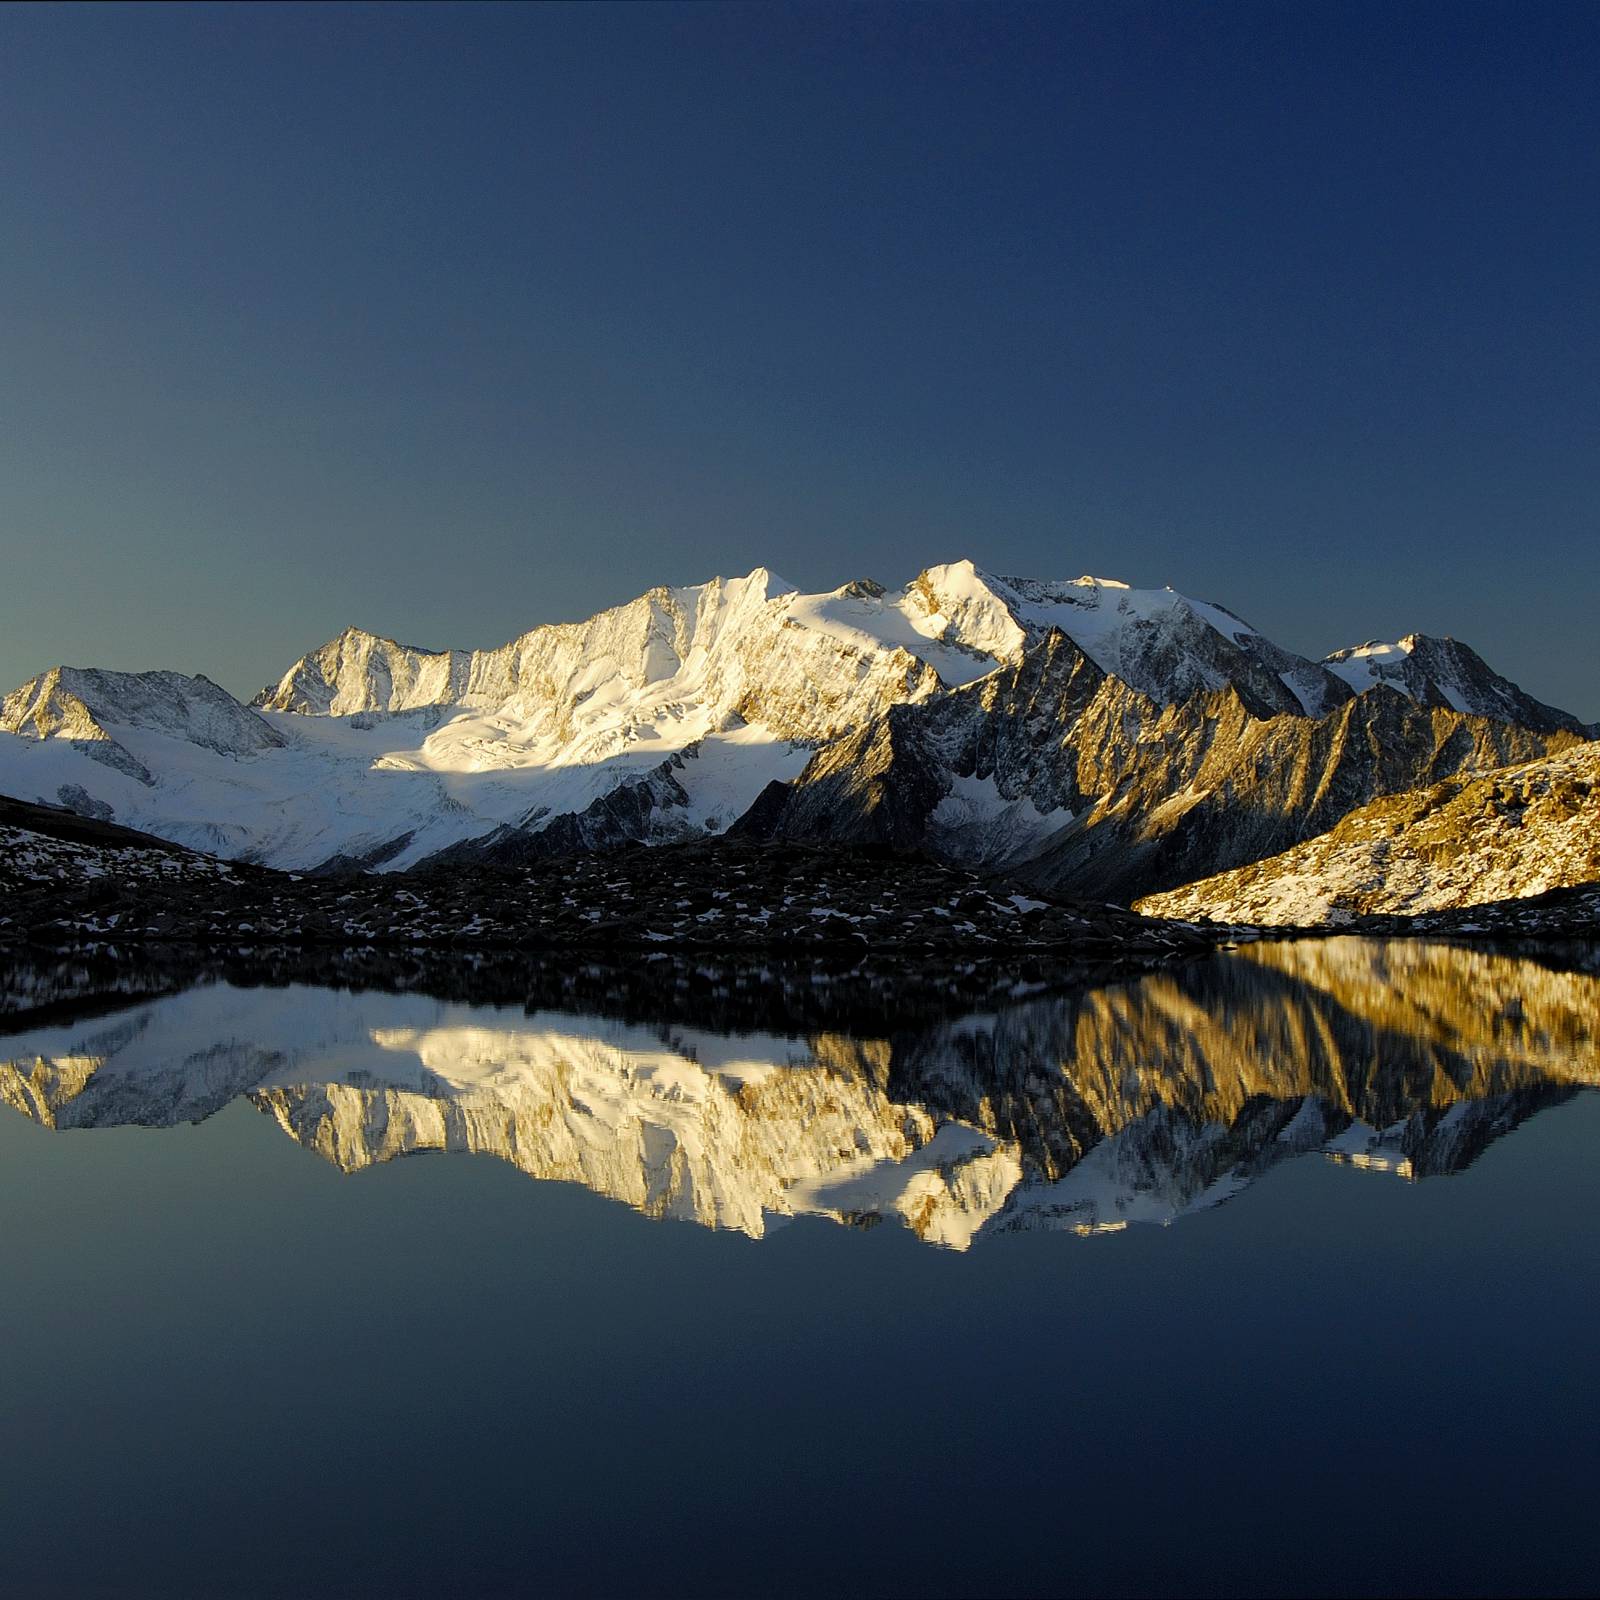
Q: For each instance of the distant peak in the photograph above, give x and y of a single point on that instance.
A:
(958, 577)
(1375, 649)
(864, 589)
(1072, 587)
(354, 635)
(765, 581)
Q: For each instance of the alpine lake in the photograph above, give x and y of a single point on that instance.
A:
(1271, 1271)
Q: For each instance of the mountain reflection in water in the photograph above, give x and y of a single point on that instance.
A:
(1139, 1102)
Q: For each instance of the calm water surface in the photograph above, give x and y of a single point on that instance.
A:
(1274, 1274)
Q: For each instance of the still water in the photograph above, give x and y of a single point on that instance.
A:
(1275, 1273)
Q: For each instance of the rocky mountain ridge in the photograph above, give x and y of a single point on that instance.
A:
(1447, 674)
(1519, 831)
(1054, 771)
(83, 706)
(1082, 733)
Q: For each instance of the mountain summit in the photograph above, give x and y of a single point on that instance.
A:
(1079, 729)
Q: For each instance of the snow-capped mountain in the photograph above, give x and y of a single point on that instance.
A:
(1166, 645)
(1445, 672)
(1057, 773)
(93, 710)
(1085, 1112)
(674, 714)
(707, 643)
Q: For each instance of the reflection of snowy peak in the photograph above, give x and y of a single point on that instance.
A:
(1140, 1102)
(672, 715)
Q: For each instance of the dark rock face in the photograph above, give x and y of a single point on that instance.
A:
(78, 799)
(1234, 790)
(640, 812)
(342, 866)
(1570, 913)
(70, 825)
(877, 786)
(764, 991)
(1046, 729)
(1141, 797)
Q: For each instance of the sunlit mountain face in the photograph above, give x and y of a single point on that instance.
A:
(1082, 735)
(1082, 1111)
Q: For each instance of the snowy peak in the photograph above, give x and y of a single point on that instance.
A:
(47, 707)
(955, 619)
(1447, 674)
(950, 623)
(83, 704)
(1169, 646)
(962, 600)
(1158, 641)
(667, 717)
(361, 671)
(645, 641)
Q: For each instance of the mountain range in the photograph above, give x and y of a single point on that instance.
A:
(1079, 735)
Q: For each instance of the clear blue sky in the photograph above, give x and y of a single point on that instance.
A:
(452, 321)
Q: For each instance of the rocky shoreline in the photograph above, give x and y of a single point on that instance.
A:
(66, 881)
(1559, 916)
(72, 883)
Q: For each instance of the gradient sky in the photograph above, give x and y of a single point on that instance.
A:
(448, 322)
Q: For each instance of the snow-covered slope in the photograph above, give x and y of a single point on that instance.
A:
(658, 719)
(388, 754)
(1515, 832)
(802, 663)
(958, 620)
(1169, 646)
(109, 716)
(79, 702)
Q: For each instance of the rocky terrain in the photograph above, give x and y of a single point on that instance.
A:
(1487, 849)
(1065, 776)
(64, 881)
(1080, 737)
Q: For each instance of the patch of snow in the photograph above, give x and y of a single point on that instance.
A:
(977, 824)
